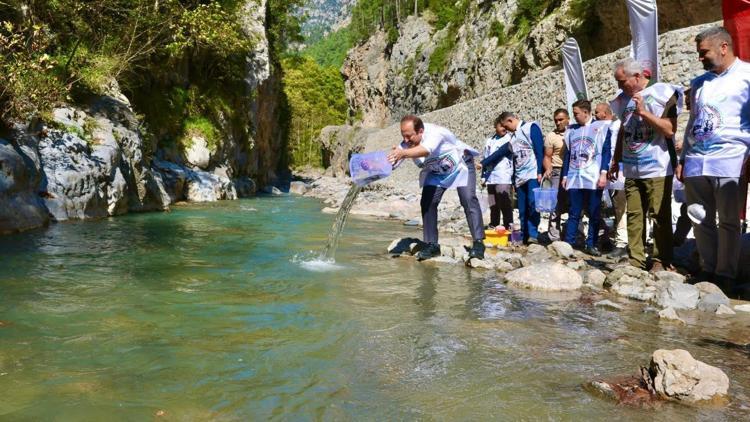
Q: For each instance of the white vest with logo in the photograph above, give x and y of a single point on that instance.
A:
(645, 154)
(585, 144)
(502, 174)
(718, 134)
(524, 159)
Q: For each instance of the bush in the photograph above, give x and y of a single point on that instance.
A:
(497, 30)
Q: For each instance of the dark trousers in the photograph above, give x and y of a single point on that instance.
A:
(591, 199)
(502, 202)
(527, 212)
(467, 195)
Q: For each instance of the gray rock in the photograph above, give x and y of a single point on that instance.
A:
(670, 314)
(609, 304)
(706, 288)
(678, 296)
(742, 308)
(547, 277)
(724, 310)
(298, 188)
(594, 278)
(272, 190)
(576, 265)
(480, 263)
(676, 375)
(711, 302)
(197, 153)
(561, 249)
(629, 271)
(669, 277)
(503, 266)
(535, 248)
(21, 208)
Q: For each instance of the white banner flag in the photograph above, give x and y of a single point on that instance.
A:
(575, 79)
(644, 27)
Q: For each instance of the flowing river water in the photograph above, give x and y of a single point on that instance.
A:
(222, 312)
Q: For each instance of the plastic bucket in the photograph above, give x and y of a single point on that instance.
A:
(492, 237)
(546, 199)
(367, 168)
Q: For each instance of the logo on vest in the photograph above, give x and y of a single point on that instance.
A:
(707, 121)
(443, 165)
(638, 134)
(523, 154)
(582, 152)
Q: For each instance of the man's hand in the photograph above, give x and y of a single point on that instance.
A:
(614, 171)
(547, 174)
(602, 183)
(678, 173)
(478, 166)
(564, 182)
(395, 155)
(539, 178)
(639, 108)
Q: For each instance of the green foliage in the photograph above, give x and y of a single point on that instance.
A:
(441, 54)
(530, 12)
(331, 50)
(497, 30)
(316, 99)
(198, 126)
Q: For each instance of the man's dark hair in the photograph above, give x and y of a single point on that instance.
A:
(583, 105)
(714, 32)
(559, 111)
(506, 115)
(498, 120)
(416, 121)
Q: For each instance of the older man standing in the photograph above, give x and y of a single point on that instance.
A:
(717, 139)
(644, 145)
(446, 162)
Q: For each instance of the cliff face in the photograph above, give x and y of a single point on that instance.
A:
(386, 81)
(95, 159)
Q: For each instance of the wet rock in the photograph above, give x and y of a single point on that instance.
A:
(480, 263)
(724, 310)
(609, 304)
(561, 249)
(537, 257)
(535, 248)
(503, 266)
(706, 288)
(626, 390)
(546, 276)
(676, 375)
(245, 187)
(632, 283)
(21, 208)
(403, 245)
(272, 190)
(444, 260)
(678, 296)
(634, 274)
(669, 314)
(594, 278)
(298, 188)
(742, 308)
(711, 302)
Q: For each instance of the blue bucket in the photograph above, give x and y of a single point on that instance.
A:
(545, 199)
(367, 168)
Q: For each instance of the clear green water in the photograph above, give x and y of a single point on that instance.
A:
(204, 313)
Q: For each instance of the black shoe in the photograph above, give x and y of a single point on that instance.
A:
(490, 227)
(430, 250)
(593, 251)
(618, 253)
(477, 250)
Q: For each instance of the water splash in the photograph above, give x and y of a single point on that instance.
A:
(315, 263)
(338, 224)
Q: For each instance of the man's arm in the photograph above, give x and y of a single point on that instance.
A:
(398, 153)
(504, 151)
(667, 125)
(606, 152)
(614, 168)
(537, 142)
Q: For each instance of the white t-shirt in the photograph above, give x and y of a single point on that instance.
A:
(717, 138)
(502, 174)
(645, 153)
(445, 166)
(585, 144)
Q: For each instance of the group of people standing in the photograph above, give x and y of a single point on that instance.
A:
(628, 150)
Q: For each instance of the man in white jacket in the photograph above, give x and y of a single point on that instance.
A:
(446, 163)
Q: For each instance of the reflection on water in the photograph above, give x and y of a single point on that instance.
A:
(215, 311)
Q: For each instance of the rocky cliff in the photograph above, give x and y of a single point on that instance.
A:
(385, 80)
(96, 159)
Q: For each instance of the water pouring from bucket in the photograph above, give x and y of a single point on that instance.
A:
(364, 169)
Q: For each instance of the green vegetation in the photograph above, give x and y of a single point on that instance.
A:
(200, 127)
(441, 54)
(497, 30)
(316, 99)
(331, 50)
(530, 12)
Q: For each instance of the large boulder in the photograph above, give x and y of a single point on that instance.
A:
(545, 276)
(676, 375)
(678, 296)
(631, 282)
(21, 208)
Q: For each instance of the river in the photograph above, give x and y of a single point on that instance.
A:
(219, 311)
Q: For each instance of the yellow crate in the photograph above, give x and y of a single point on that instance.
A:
(491, 237)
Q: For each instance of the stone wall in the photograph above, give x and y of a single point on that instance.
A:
(536, 99)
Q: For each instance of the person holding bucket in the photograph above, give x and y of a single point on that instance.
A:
(584, 173)
(446, 163)
(526, 147)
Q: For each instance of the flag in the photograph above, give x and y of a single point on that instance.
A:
(644, 27)
(575, 78)
(737, 22)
